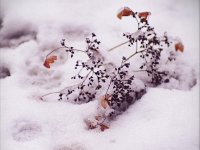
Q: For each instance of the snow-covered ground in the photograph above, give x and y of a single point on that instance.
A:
(163, 118)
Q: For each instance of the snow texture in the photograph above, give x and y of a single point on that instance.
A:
(166, 117)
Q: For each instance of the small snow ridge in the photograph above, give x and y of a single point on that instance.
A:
(12, 35)
(26, 131)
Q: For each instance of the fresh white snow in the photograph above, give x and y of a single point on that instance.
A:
(164, 119)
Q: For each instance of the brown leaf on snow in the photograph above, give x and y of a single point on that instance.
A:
(179, 47)
(144, 15)
(49, 60)
(104, 101)
(125, 11)
(103, 127)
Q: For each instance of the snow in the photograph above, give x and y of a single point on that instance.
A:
(165, 117)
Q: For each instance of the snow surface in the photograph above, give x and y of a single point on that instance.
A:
(166, 119)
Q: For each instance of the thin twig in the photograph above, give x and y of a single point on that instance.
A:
(134, 55)
(85, 79)
(137, 22)
(126, 41)
(109, 86)
(47, 95)
(139, 70)
(66, 87)
(56, 49)
(118, 46)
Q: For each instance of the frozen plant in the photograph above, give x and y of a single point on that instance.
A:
(92, 72)
(151, 48)
(118, 87)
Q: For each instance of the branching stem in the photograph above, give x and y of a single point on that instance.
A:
(56, 49)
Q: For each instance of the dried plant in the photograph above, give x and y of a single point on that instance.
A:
(118, 84)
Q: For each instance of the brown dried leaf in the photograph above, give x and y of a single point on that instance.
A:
(125, 11)
(104, 104)
(49, 60)
(104, 101)
(144, 15)
(103, 127)
(179, 47)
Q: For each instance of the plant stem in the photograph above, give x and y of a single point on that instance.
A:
(134, 55)
(47, 95)
(118, 46)
(86, 77)
(108, 86)
(137, 23)
(65, 87)
(139, 70)
(56, 49)
(126, 41)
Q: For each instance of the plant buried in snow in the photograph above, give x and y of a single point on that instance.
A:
(121, 86)
(96, 73)
(119, 92)
(149, 46)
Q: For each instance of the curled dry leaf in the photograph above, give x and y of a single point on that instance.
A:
(125, 11)
(144, 15)
(103, 127)
(104, 101)
(179, 47)
(49, 60)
